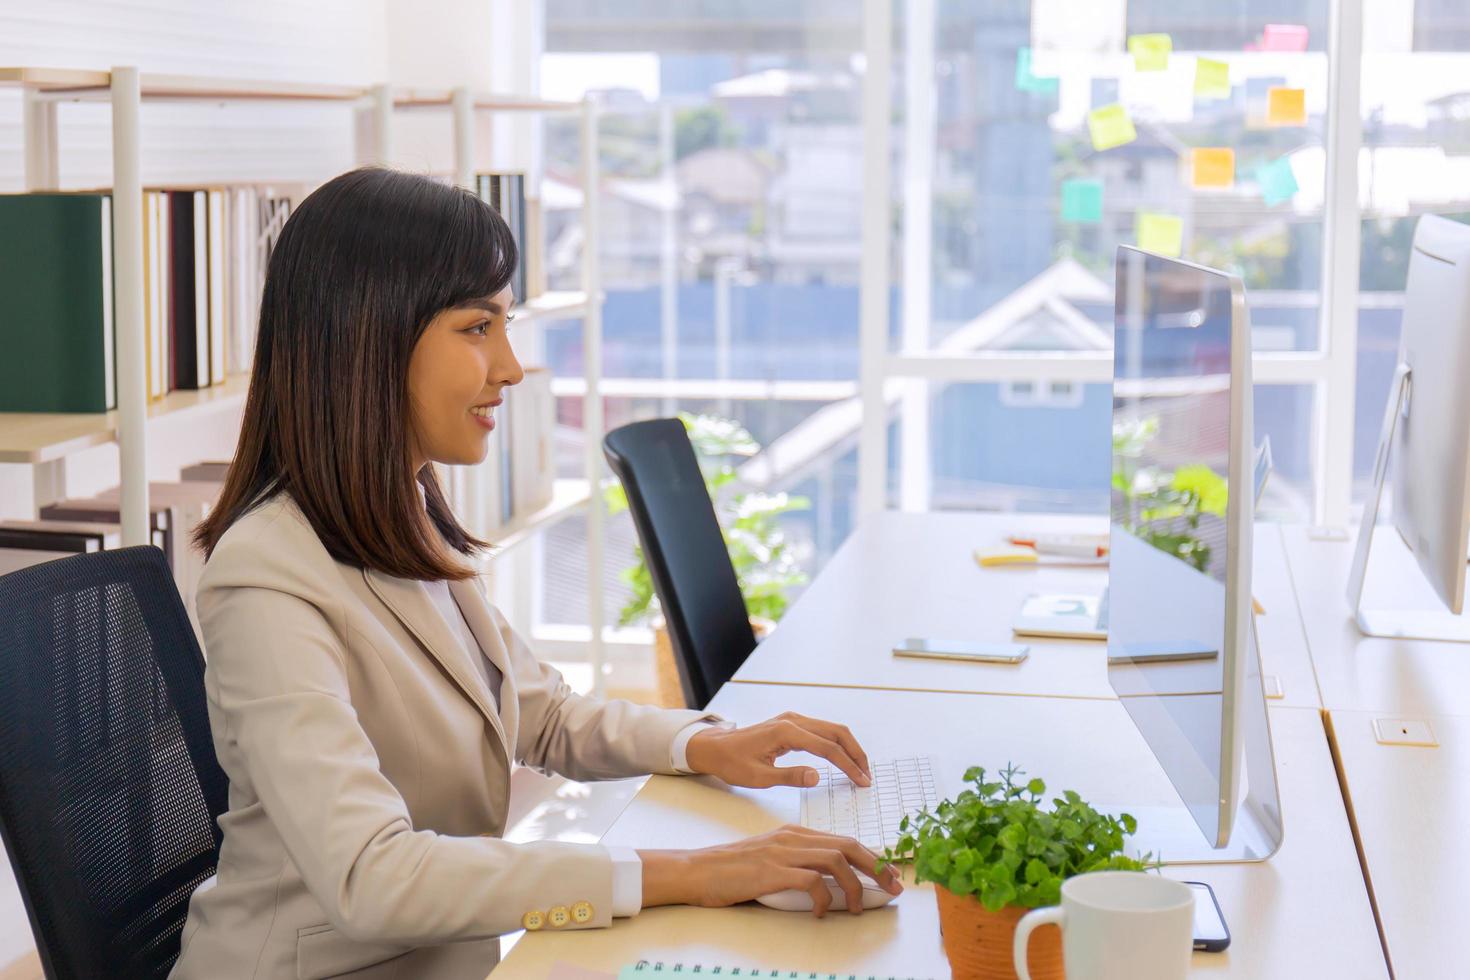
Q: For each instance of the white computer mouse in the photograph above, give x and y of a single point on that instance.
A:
(796, 900)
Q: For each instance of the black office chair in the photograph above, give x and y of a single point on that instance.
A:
(109, 786)
(685, 552)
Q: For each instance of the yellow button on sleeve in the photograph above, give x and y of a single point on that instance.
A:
(582, 913)
(533, 920)
(558, 916)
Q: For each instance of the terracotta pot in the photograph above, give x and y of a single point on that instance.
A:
(978, 942)
(666, 668)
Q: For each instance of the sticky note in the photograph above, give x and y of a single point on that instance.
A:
(1211, 79)
(1277, 180)
(1110, 127)
(1150, 51)
(1162, 234)
(1082, 201)
(1286, 107)
(1026, 78)
(1212, 166)
(1284, 37)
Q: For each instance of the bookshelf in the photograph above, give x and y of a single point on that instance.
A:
(44, 441)
(44, 437)
(567, 496)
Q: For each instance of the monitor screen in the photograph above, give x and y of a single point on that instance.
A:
(1172, 435)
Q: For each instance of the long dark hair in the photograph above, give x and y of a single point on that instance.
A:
(362, 266)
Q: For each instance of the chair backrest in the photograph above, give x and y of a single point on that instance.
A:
(685, 552)
(109, 785)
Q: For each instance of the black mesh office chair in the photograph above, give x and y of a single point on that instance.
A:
(109, 786)
(685, 552)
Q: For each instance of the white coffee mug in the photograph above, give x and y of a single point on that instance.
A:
(1117, 925)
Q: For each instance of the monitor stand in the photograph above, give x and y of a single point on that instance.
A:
(1408, 624)
(1170, 833)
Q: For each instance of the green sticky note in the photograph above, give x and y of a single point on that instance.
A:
(1027, 80)
(1082, 201)
(1277, 180)
(1162, 234)
(1150, 51)
(1211, 79)
(1110, 126)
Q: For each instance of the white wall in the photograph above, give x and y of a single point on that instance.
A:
(439, 43)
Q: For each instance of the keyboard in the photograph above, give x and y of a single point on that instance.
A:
(901, 787)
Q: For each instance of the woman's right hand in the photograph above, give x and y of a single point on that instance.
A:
(789, 857)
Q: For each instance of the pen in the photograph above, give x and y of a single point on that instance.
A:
(1070, 545)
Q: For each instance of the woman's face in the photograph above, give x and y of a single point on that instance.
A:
(457, 374)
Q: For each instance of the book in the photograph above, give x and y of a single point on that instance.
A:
(210, 471)
(533, 424)
(189, 298)
(56, 317)
(184, 505)
(162, 526)
(27, 543)
(505, 470)
(216, 252)
(245, 282)
(506, 193)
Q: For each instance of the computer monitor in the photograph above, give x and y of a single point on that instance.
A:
(1426, 438)
(1181, 649)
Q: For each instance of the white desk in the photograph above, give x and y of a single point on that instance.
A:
(1361, 673)
(1303, 914)
(903, 575)
(1409, 804)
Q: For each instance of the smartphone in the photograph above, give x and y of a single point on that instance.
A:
(1211, 935)
(1160, 652)
(993, 653)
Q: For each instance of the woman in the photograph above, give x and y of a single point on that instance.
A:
(366, 700)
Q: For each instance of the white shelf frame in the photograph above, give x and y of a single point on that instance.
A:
(127, 88)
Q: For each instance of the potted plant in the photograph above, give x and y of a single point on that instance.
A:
(764, 559)
(995, 852)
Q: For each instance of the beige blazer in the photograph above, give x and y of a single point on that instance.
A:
(369, 771)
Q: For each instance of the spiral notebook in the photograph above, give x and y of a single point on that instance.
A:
(645, 970)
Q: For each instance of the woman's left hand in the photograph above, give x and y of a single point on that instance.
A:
(747, 756)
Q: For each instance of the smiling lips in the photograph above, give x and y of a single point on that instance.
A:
(482, 413)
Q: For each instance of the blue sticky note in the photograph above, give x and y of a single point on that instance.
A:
(1026, 80)
(1082, 201)
(1278, 182)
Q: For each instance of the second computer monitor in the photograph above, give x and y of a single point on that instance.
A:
(1179, 578)
(1431, 456)
(1425, 437)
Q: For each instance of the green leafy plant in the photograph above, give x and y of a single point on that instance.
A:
(999, 842)
(1164, 509)
(765, 560)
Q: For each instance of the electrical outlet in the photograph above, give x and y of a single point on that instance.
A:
(1272, 686)
(1404, 731)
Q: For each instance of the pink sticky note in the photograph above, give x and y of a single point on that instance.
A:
(1284, 37)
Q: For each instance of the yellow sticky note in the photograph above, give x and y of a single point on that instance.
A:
(1211, 79)
(1162, 234)
(1150, 51)
(1212, 166)
(1286, 107)
(1110, 127)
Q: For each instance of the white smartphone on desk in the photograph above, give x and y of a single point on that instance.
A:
(990, 653)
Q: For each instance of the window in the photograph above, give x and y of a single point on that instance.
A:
(733, 146)
(1416, 160)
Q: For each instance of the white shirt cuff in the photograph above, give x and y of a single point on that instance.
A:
(680, 749)
(627, 881)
